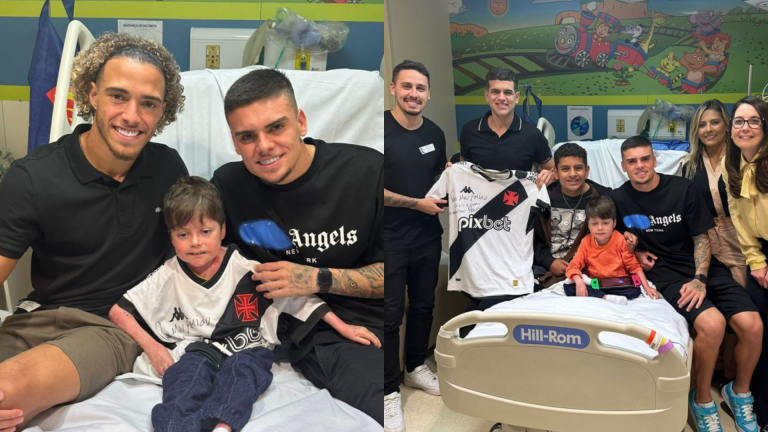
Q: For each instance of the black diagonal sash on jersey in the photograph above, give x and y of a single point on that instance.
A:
(494, 209)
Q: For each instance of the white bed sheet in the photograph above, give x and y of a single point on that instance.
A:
(330, 99)
(604, 159)
(290, 404)
(656, 315)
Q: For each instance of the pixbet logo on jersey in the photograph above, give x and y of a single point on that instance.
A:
(472, 222)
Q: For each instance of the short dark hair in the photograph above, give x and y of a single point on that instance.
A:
(570, 149)
(192, 197)
(633, 142)
(410, 65)
(601, 207)
(500, 74)
(258, 85)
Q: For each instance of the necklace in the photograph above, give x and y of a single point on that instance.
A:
(573, 209)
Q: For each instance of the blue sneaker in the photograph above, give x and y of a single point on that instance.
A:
(706, 419)
(741, 407)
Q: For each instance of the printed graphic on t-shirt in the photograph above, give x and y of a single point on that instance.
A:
(566, 224)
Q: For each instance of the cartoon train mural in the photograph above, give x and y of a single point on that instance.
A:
(586, 48)
(705, 64)
(601, 45)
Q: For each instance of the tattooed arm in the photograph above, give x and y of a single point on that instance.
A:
(426, 205)
(694, 292)
(702, 253)
(286, 279)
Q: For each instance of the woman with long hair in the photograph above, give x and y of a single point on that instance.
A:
(745, 172)
(709, 138)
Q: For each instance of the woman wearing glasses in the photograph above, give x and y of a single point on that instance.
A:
(745, 173)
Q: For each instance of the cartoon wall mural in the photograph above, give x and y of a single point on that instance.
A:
(611, 47)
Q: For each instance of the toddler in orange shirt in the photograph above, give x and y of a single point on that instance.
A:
(603, 255)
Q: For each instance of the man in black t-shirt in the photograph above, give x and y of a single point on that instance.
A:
(669, 217)
(89, 207)
(414, 155)
(318, 212)
(501, 140)
(559, 235)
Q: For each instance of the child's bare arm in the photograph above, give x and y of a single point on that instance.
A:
(652, 293)
(354, 333)
(159, 356)
(581, 287)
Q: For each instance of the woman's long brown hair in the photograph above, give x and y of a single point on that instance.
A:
(733, 153)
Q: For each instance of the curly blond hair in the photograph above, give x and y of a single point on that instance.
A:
(89, 63)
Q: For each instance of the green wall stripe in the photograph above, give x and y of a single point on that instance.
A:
(204, 10)
(8, 92)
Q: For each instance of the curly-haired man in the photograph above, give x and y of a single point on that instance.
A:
(89, 207)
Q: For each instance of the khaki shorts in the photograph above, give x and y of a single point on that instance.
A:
(99, 349)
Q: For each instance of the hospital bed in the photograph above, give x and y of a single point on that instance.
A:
(341, 106)
(576, 364)
(604, 159)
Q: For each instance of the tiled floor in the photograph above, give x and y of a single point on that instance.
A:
(427, 413)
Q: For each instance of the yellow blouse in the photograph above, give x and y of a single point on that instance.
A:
(745, 213)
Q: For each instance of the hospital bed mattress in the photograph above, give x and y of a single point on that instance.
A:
(291, 403)
(569, 364)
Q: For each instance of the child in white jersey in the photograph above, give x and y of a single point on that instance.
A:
(204, 301)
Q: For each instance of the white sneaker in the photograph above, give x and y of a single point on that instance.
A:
(424, 379)
(393, 413)
(616, 299)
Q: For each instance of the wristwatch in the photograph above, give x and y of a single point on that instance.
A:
(324, 280)
(701, 278)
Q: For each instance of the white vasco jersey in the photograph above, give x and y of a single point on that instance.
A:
(181, 308)
(491, 235)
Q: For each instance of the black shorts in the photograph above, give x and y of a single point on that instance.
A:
(723, 292)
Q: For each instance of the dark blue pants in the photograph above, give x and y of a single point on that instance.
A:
(195, 389)
(417, 269)
(630, 292)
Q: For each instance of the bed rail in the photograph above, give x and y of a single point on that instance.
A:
(77, 33)
(552, 372)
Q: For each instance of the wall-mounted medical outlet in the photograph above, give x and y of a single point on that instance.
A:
(623, 123)
(229, 43)
(212, 56)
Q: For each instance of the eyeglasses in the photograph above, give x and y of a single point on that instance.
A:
(754, 122)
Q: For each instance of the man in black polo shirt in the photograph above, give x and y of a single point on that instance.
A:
(89, 207)
(501, 140)
(414, 155)
(326, 204)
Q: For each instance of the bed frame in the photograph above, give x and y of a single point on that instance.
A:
(575, 384)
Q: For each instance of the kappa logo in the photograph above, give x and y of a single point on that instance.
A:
(511, 198)
(246, 307)
(467, 189)
(178, 315)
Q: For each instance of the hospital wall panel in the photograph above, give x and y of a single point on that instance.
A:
(363, 50)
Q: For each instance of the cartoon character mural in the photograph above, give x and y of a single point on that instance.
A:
(609, 47)
(634, 30)
(498, 7)
(705, 21)
(583, 47)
